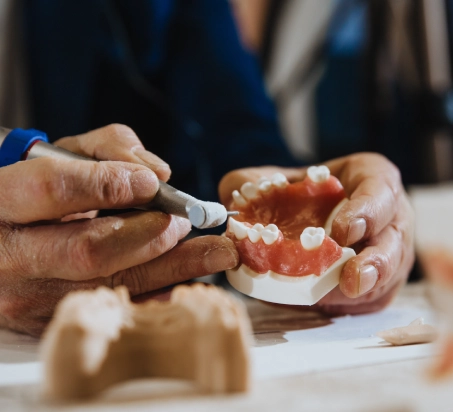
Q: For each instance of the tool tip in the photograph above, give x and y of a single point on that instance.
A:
(204, 215)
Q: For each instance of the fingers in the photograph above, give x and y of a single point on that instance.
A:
(44, 189)
(81, 250)
(115, 142)
(193, 258)
(374, 188)
(371, 208)
(386, 259)
(379, 220)
(28, 304)
(375, 264)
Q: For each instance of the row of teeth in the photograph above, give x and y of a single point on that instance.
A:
(249, 190)
(311, 237)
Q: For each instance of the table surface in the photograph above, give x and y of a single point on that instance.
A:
(301, 362)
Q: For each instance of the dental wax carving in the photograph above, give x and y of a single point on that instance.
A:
(416, 332)
(99, 338)
(282, 236)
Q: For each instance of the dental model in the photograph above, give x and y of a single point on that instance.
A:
(282, 236)
(416, 332)
(99, 338)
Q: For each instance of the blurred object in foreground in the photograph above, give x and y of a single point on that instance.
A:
(434, 242)
(416, 332)
(99, 338)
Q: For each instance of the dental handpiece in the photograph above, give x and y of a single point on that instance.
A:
(19, 144)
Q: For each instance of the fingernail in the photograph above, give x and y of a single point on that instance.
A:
(149, 158)
(143, 184)
(367, 279)
(220, 259)
(356, 230)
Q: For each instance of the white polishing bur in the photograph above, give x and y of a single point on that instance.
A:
(204, 215)
(201, 214)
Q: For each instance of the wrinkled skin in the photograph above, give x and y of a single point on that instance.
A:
(51, 241)
(373, 186)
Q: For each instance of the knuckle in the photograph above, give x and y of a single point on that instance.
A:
(105, 183)
(132, 278)
(392, 172)
(384, 267)
(13, 260)
(407, 251)
(111, 184)
(372, 157)
(164, 242)
(180, 271)
(53, 184)
(117, 130)
(83, 255)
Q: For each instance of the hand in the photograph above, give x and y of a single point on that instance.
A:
(44, 254)
(377, 222)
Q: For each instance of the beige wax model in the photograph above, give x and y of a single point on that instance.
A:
(99, 338)
(416, 332)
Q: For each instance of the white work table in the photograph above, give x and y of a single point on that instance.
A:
(301, 362)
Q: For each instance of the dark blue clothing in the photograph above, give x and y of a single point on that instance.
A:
(173, 70)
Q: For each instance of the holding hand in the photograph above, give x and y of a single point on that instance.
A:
(377, 222)
(45, 252)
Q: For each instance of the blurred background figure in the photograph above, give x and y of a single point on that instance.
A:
(355, 75)
(174, 71)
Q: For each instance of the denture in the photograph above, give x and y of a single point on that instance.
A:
(282, 236)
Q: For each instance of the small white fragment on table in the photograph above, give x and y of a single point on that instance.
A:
(416, 332)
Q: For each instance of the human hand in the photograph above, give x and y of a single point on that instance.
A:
(377, 222)
(45, 252)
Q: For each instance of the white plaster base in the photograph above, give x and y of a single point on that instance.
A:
(289, 290)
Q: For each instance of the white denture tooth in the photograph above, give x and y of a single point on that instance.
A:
(253, 235)
(270, 234)
(312, 237)
(272, 228)
(258, 227)
(249, 190)
(265, 185)
(238, 228)
(261, 180)
(238, 198)
(318, 174)
(279, 180)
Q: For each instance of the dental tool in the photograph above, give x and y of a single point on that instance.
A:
(19, 144)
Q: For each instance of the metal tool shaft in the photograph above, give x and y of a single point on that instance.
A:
(167, 199)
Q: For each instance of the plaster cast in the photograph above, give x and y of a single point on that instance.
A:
(99, 338)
